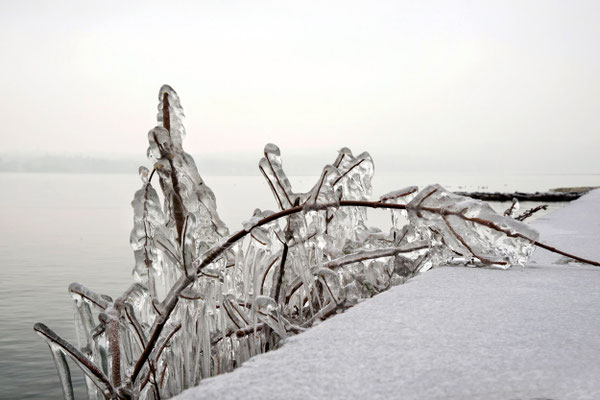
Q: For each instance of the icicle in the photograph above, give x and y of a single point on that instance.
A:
(63, 371)
(56, 342)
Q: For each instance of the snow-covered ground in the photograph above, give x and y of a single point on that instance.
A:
(452, 333)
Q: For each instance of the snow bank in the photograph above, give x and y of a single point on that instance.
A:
(452, 333)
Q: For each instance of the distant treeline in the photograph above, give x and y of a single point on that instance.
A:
(67, 164)
(209, 165)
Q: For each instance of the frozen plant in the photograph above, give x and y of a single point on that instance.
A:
(203, 300)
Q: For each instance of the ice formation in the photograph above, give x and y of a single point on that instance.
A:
(205, 301)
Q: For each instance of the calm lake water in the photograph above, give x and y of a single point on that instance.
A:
(61, 228)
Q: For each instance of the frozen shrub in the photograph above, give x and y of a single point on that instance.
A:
(205, 300)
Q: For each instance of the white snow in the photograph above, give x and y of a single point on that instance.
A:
(452, 333)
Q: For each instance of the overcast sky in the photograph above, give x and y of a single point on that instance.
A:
(444, 85)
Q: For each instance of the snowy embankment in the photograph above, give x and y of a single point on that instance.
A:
(452, 333)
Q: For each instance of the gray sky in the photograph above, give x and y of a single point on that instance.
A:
(445, 85)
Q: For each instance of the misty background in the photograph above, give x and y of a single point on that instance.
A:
(510, 86)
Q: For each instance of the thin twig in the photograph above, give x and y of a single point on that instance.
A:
(262, 284)
(329, 290)
(162, 375)
(348, 171)
(151, 175)
(284, 254)
(530, 212)
(272, 187)
(509, 211)
(173, 332)
(316, 195)
(277, 179)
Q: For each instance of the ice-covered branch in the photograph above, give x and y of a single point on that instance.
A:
(57, 343)
(371, 254)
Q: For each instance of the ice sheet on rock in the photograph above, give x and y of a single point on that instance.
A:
(470, 227)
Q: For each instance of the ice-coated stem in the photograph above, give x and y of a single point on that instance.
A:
(166, 342)
(161, 320)
(370, 255)
(98, 300)
(339, 178)
(166, 114)
(90, 369)
(178, 209)
(114, 351)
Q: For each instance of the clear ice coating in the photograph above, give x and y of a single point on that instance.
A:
(204, 301)
(185, 191)
(470, 228)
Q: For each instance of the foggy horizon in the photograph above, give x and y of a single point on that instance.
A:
(502, 86)
(243, 164)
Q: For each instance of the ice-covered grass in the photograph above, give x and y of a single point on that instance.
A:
(452, 333)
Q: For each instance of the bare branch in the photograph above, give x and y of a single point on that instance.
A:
(530, 212)
(509, 211)
(281, 272)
